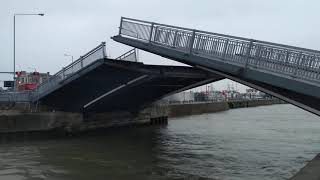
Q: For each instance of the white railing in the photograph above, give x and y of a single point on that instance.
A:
(131, 55)
(296, 62)
(24, 96)
(85, 60)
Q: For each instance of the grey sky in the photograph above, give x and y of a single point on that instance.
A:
(74, 26)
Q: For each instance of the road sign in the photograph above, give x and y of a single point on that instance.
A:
(8, 83)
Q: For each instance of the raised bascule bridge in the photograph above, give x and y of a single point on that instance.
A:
(289, 73)
(97, 84)
(108, 85)
(97, 91)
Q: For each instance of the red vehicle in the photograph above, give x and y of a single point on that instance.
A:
(29, 81)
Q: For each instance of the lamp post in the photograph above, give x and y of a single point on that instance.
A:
(71, 60)
(14, 41)
(69, 56)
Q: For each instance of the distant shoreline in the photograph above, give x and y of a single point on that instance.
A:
(179, 110)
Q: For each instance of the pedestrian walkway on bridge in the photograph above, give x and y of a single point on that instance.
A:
(287, 72)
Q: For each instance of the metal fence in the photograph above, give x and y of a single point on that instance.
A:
(85, 60)
(131, 55)
(24, 96)
(277, 58)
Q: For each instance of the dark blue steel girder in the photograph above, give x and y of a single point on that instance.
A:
(111, 85)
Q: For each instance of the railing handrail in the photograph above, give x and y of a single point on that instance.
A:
(86, 55)
(128, 53)
(294, 62)
(71, 65)
(16, 96)
(224, 35)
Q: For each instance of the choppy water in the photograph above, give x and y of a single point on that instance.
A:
(270, 142)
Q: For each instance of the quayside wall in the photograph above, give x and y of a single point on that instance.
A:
(176, 110)
(23, 117)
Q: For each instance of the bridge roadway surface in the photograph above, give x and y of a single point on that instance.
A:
(112, 85)
(289, 73)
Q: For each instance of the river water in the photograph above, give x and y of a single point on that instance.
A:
(269, 142)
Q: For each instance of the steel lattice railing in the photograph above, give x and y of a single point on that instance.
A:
(295, 62)
(11, 97)
(131, 55)
(85, 60)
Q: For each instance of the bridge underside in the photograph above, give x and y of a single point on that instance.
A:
(111, 85)
(288, 88)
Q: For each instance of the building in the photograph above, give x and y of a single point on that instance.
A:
(255, 94)
(182, 97)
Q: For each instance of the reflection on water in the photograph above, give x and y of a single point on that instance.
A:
(270, 142)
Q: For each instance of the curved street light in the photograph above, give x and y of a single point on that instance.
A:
(68, 55)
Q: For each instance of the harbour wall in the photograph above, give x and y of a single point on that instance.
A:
(23, 117)
(176, 110)
(309, 171)
(253, 103)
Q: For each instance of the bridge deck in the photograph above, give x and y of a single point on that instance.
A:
(290, 73)
(111, 85)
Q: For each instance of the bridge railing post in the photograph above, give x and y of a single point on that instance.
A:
(257, 55)
(155, 36)
(297, 65)
(174, 38)
(285, 65)
(225, 48)
(63, 72)
(318, 70)
(248, 53)
(81, 62)
(198, 43)
(192, 41)
(120, 27)
(151, 32)
(103, 44)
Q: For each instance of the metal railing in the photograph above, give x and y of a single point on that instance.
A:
(131, 55)
(24, 96)
(85, 60)
(287, 60)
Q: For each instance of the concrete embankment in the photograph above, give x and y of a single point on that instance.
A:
(22, 117)
(253, 103)
(310, 171)
(176, 110)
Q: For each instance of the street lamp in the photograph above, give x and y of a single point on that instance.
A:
(14, 40)
(71, 60)
(69, 56)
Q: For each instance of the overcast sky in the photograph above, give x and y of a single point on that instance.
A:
(76, 26)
